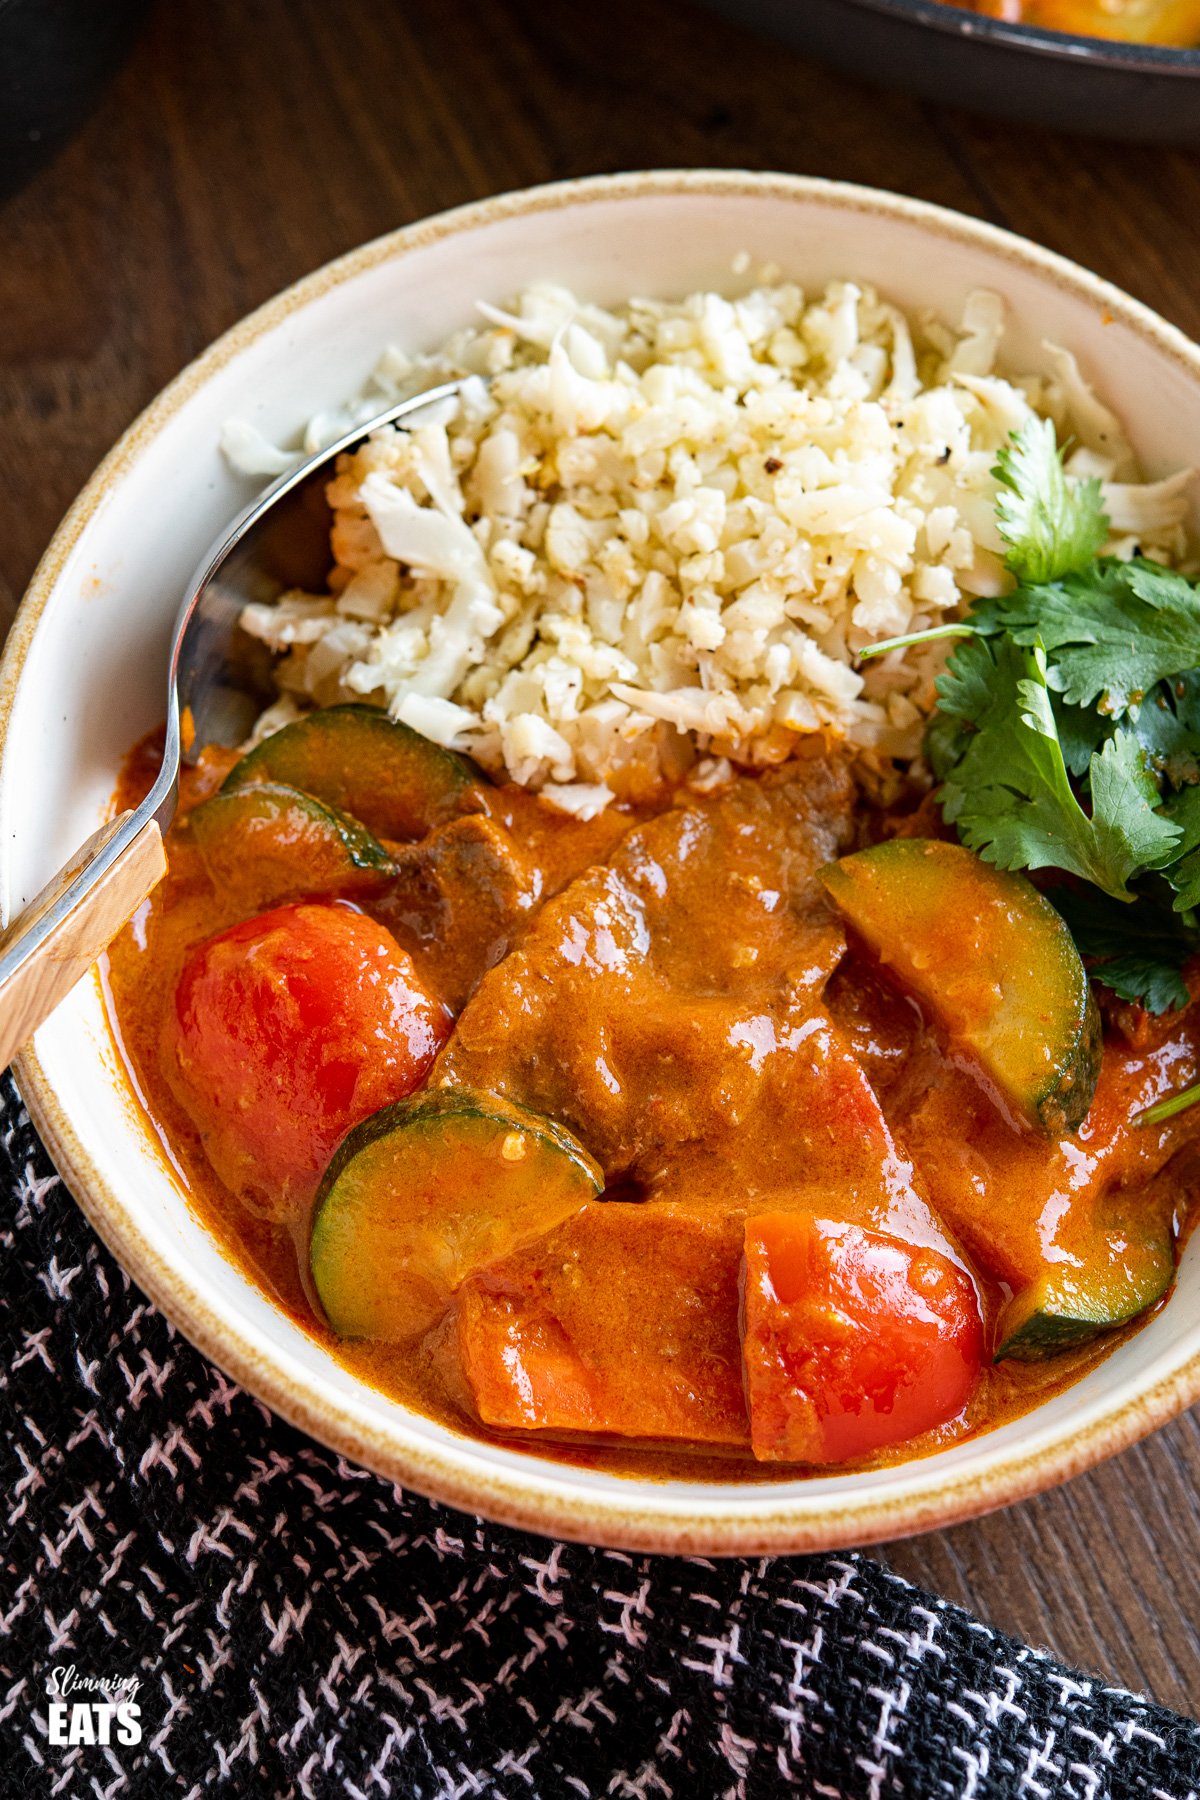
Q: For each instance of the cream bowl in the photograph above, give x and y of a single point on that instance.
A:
(83, 677)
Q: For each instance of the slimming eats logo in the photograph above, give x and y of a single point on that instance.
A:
(111, 1715)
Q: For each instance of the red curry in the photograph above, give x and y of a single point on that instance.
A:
(754, 1126)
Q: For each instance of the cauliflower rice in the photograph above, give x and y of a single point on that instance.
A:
(663, 532)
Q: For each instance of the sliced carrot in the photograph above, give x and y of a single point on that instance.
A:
(621, 1322)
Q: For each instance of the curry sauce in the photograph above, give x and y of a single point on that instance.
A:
(671, 987)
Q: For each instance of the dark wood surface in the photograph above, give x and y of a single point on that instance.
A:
(249, 140)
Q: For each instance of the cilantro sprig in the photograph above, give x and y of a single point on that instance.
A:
(1140, 950)
(1008, 791)
(1067, 731)
(1052, 526)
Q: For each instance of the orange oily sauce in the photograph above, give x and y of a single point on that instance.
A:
(671, 986)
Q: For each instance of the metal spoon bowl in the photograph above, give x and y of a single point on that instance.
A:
(280, 539)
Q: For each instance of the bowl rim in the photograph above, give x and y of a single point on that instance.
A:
(648, 1517)
(1061, 46)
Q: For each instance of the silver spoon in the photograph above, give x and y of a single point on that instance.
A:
(60, 934)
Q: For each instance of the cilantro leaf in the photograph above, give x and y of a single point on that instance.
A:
(1069, 710)
(946, 739)
(968, 686)
(1167, 726)
(1053, 526)
(1145, 973)
(1081, 731)
(1184, 877)
(1009, 794)
(1111, 635)
(1166, 590)
(1140, 950)
(1124, 800)
(1183, 809)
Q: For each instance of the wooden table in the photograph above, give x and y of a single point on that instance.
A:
(243, 145)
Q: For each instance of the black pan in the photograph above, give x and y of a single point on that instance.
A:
(944, 53)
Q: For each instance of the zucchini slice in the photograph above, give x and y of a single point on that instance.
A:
(397, 782)
(1131, 1268)
(992, 960)
(264, 845)
(427, 1191)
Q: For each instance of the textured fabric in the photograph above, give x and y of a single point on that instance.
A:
(301, 1628)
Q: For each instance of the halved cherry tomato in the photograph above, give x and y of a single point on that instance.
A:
(286, 1031)
(851, 1338)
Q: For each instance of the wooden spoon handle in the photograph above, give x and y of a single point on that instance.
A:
(42, 955)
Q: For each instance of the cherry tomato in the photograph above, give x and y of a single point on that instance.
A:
(289, 1029)
(851, 1338)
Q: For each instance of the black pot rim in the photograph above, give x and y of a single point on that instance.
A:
(1058, 46)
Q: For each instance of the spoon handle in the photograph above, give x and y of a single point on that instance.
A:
(77, 914)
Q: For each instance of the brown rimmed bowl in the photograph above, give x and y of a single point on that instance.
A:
(82, 678)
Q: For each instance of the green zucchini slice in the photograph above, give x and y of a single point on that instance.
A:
(993, 962)
(397, 782)
(1131, 1267)
(268, 844)
(428, 1190)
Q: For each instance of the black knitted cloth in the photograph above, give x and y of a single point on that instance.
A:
(301, 1628)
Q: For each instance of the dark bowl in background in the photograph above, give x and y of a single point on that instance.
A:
(942, 53)
(56, 57)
